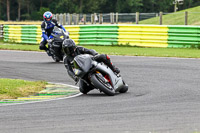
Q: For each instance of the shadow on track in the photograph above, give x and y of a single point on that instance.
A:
(98, 94)
(48, 63)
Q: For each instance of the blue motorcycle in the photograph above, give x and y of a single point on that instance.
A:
(55, 44)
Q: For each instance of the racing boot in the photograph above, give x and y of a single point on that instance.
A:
(111, 66)
(116, 69)
(106, 60)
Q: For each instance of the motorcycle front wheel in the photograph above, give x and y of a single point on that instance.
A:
(55, 58)
(124, 89)
(102, 86)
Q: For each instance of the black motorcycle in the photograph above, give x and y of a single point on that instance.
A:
(55, 44)
(98, 75)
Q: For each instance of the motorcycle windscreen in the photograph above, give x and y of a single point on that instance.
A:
(84, 62)
(58, 38)
(58, 34)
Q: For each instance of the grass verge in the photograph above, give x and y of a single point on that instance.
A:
(156, 52)
(24, 47)
(177, 18)
(13, 88)
(121, 50)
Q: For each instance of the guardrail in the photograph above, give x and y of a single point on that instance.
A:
(117, 18)
(94, 18)
(131, 35)
(1, 31)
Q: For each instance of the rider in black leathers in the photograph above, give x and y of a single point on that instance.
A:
(71, 51)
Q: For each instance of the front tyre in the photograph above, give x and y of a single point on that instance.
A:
(55, 58)
(102, 86)
(124, 89)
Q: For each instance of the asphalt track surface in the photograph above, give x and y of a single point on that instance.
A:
(163, 97)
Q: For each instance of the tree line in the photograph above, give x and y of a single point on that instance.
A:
(34, 9)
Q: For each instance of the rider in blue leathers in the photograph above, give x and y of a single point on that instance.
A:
(47, 28)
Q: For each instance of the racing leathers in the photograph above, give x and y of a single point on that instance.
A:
(68, 62)
(47, 28)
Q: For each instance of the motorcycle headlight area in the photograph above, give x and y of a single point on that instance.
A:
(76, 65)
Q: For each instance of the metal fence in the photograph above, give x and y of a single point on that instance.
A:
(74, 19)
(1, 31)
(187, 18)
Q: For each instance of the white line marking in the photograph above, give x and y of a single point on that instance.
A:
(64, 84)
(9, 104)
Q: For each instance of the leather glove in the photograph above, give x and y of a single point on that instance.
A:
(76, 79)
(49, 40)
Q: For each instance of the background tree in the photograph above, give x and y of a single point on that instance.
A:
(129, 5)
(8, 9)
(33, 9)
(20, 2)
(149, 5)
(2, 5)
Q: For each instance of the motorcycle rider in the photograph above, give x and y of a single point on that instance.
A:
(71, 51)
(47, 27)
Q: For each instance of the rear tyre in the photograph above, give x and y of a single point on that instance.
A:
(104, 87)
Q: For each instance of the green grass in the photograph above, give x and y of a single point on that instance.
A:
(13, 88)
(24, 47)
(156, 52)
(122, 50)
(177, 18)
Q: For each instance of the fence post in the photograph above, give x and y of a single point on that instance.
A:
(1, 31)
(95, 18)
(57, 17)
(186, 17)
(137, 17)
(84, 19)
(74, 18)
(116, 17)
(61, 19)
(100, 18)
(112, 18)
(64, 19)
(77, 19)
(92, 18)
(161, 13)
(69, 19)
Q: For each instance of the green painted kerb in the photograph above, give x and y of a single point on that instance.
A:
(52, 91)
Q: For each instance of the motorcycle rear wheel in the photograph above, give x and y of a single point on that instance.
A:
(102, 86)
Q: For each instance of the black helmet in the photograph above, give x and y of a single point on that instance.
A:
(68, 46)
